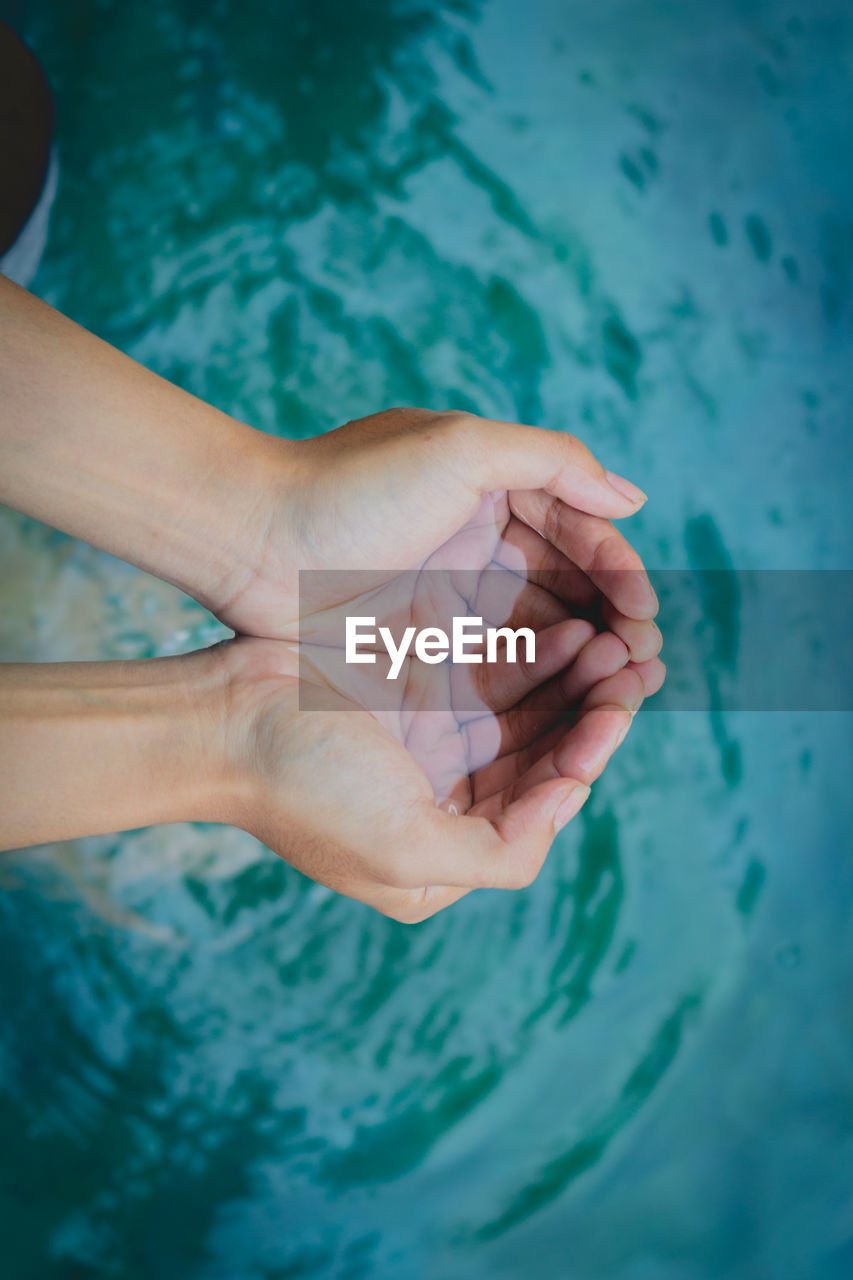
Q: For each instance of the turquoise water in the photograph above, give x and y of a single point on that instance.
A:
(631, 220)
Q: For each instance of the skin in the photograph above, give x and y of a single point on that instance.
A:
(218, 736)
(94, 444)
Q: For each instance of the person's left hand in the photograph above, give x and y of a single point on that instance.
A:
(385, 493)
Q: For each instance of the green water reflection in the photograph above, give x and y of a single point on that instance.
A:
(633, 221)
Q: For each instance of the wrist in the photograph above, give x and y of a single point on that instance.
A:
(221, 527)
(174, 715)
(257, 681)
(91, 748)
(189, 710)
(249, 579)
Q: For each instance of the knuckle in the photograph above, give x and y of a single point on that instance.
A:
(460, 424)
(552, 520)
(615, 647)
(458, 417)
(600, 552)
(406, 410)
(402, 418)
(639, 689)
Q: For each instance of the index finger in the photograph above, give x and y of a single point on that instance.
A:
(593, 545)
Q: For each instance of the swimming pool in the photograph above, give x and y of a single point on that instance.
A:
(632, 221)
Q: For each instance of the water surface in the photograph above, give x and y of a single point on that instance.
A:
(628, 220)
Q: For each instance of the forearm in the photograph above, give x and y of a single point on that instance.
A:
(88, 747)
(96, 445)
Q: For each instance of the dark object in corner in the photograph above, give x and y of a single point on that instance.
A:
(26, 132)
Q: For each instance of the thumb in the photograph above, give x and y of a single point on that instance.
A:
(507, 852)
(508, 455)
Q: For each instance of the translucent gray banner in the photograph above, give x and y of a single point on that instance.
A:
(734, 640)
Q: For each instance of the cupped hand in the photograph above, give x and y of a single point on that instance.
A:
(387, 492)
(350, 797)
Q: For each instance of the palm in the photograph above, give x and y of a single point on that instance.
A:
(472, 740)
(406, 793)
(456, 720)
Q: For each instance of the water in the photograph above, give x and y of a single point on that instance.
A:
(630, 220)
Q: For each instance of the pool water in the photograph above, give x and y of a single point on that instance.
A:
(629, 220)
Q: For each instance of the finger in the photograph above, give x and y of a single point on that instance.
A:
(471, 852)
(527, 553)
(508, 455)
(496, 596)
(524, 551)
(642, 637)
(591, 742)
(490, 737)
(503, 598)
(652, 674)
(581, 750)
(503, 684)
(594, 546)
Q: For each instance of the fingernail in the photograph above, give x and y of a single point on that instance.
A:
(625, 489)
(636, 702)
(570, 807)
